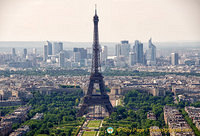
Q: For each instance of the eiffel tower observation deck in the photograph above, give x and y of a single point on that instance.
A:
(96, 77)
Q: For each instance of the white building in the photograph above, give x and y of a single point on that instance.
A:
(132, 58)
(122, 49)
(174, 58)
(104, 53)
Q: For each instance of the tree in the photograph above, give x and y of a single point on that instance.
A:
(114, 116)
(76, 101)
(133, 126)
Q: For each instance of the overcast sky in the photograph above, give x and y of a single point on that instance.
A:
(71, 20)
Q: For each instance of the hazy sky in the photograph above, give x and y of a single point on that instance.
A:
(71, 20)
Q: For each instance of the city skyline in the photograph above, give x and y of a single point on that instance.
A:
(69, 21)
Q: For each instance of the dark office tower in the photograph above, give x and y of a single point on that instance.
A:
(91, 99)
(61, 59)
(45, 53)
(138, 49)
(49, 48)
(55, 48)
(25, 53)
(83, 53)
(174, 58)
(60, 45)
(13, 52)
(125, 48)
(151, 54)
(75, 49)
(124, 42)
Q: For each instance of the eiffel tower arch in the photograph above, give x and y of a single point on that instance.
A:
(96, 77)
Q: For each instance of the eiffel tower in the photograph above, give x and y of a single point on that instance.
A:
(91, 99)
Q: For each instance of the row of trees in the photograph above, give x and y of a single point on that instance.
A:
(69, 86)
(51, 72)
(143, 73)
(81, 72)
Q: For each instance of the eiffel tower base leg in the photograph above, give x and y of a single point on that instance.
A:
(91, 100)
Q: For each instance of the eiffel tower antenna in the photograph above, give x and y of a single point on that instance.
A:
(95, 9)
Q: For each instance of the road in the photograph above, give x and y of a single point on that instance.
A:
(100, 127)
(82, 128)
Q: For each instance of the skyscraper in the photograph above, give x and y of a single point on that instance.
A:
(132, 58)
(77, 56)
(138, 49)
(61, 59)
(89, 53)
(49, 48)
(25, 53)
(13, 52)
(122, 49)
(34, 51)
(174, 58)
(117, 50)
(125, 48)
(151, 54)
(75, 49)
(45, 53)
(57, 47)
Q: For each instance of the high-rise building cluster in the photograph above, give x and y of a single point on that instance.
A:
(126, 55)
(53, 53)
(52, 49)
(135, 54)
(19, 58)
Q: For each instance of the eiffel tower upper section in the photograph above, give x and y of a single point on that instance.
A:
(96, 68)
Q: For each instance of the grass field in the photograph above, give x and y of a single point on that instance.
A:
(94, 123)
(89, 133)
(66, 127)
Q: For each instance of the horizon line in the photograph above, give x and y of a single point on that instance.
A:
(100, 42)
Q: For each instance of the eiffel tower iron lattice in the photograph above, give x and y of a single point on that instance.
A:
(91, 99)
